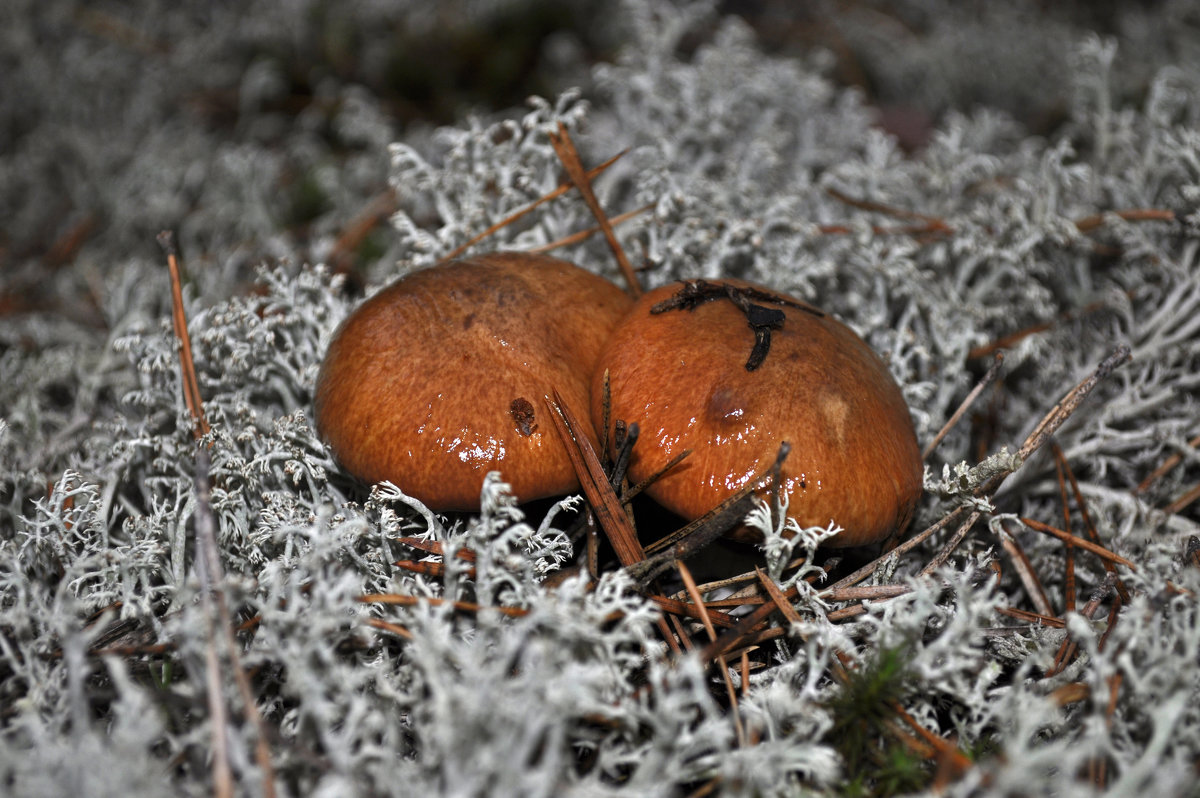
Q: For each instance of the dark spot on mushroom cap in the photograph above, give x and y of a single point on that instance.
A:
(522, 412)
(724, 406)
(682, 377)
(419, 381)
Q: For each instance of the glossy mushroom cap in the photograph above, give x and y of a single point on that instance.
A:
(440, 377)
(681, 375)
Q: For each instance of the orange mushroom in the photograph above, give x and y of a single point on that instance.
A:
(730, 370)
(440, 377)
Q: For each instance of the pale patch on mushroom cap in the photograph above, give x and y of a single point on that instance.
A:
(440, 377)
(681, 376)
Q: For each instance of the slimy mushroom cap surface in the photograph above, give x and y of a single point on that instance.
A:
(440, 376)
(681, 375)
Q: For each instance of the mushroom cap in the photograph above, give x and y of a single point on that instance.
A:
(439, 378)
(681, 375)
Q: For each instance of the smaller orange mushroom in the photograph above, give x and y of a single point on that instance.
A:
(730, 370)
(440, 377)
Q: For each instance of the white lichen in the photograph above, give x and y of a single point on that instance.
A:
(124, 119)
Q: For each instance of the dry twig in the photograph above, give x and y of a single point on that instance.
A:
(570, 159)
(1026, 573)
(563, 188)
(596, 487)
(1094, 548)
(187, 366)
(987, 380)
(1008, 341)
(1067, 650)
(1165, 468)
(584, 235)
(1061, 469)
(380, 207)
(698, 600)
(208, 568)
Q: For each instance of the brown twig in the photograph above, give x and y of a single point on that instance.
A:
(751, 576)
(1045, 428)
(627, 495)
(700, 533)
(187, 366)
(707, 788)
(929, 228)
(599, 492)
(1183, 501)
(584, 235)
(1032, 617)
(740, 599)
(952, 544)
(698, 600)
(434, 569)
(1094, 548)
(1068, 404)
(955, 760)
(1007, 341)
(403, 600)
(748, 630)
(727, 509)
(869, 593)
(1114, 617)
(381, 206)
(1067, 650)
(1088, 223)
(905, 547)
(435, 548)
(563, 188)
(208, 567)
(737, 635)
(1061, 469)
(691, 610)
(602, 498)
(1090, 527)
(934, 226)
(1165, 468)
(1026, 573)
(889, 210)
(387, 626)
(987, 380)
(1099, 764)
(1070, 693)
(565, 148)
(777, 596)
